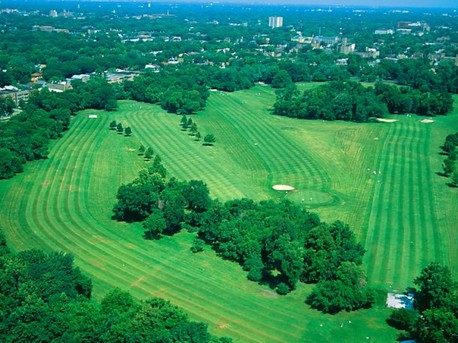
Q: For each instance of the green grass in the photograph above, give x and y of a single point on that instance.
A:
(64, 203)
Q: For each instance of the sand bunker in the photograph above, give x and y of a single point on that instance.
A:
(426, 121)
(383, 120)
(283, 188)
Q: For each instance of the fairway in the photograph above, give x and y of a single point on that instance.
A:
(404, 215)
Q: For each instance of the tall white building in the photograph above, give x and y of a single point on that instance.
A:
(275, 22)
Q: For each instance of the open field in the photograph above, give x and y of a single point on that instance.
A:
(65, 203)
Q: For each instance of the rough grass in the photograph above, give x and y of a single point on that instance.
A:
(65, 203)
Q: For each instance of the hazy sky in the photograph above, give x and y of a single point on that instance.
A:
(383, 3)
(378, 3)
(367, 3)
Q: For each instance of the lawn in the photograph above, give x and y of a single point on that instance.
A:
(65, 203)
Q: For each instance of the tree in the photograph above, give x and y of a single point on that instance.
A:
(184, 122)
(209, 139)
(149, 153)
(437, 325)
(402, 319)
(141, 150)
(197, 245)
(449, 166)
(193, 129)
(119, 128)
(436, 287)
(113, 125)
(128, 131)
(197, 195)
(347, 292)
(157, 167)
(198, 136)
(455, 178)
(154, 225)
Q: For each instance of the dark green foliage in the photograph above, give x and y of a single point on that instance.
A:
(113, 125)
(436, 287)
(184, 122)
(346, 291)
(437, 303)
(439, 325)
(135, 202)
(149, 153)
(326, 248)
(402, 319)
(155, 224)
(197, 245)
(178, 91)
(119, 128)
(141, 150)
(407, 100)
(41, 302)
(197, 195)
(335, 100)
(209, 139)
(128, 131)
(193, 129)
(3, 245)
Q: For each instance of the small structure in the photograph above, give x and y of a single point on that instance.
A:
(396, 300)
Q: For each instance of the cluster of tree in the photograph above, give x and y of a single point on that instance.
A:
(402, 100)
(180, 91)
(25, 136)
(160, 203)
(354, 102)
(44, 298)
(417, 73)
(449, 165)
(120, 129)
(148, 153)
(435, 318)
(187, 123)
(276, 243)
(334, 100)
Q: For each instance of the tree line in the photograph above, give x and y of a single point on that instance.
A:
(351, 101)
(46, 299)
(449, 164)
(435, 317)
(25, 136)
(278, 244)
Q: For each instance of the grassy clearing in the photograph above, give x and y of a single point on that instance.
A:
(65, 203)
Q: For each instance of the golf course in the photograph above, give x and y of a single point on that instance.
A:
(379, 177)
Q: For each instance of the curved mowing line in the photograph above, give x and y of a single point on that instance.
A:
(191, 163)
(289, 156)
(73, 225)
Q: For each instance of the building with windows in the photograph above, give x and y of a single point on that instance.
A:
(275, 22)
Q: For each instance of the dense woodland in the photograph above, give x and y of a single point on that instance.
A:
(278, 244)
(44, 298)
(353, 102)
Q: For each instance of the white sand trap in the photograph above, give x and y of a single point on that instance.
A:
(426, 121)
(283, 188)
(383, 120)
(214, 90)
